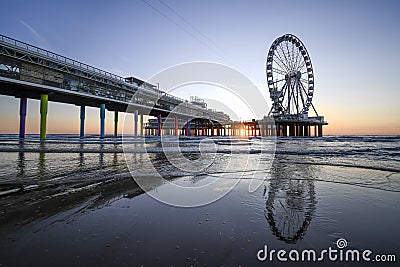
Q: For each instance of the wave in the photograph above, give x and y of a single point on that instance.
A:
(368, 167)
(234, 149)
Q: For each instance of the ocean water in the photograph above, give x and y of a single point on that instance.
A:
(367, 161)
(61, 204)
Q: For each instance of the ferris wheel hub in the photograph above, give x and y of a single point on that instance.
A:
(292, 75)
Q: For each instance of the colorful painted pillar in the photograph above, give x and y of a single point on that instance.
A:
(176, 131)
(188, 128)
(82, 117)
(102, 118)
(44, 101)
(136, 119)
(141, 124)
(159, 121)
(116, 123)
(22, 116)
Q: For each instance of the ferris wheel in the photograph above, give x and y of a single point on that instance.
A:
(290, 77)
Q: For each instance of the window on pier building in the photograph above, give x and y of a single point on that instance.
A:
(9, 68)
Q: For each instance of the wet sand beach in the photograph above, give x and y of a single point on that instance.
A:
(101, 219)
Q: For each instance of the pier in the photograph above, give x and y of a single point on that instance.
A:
(30, 72)
(311, 127)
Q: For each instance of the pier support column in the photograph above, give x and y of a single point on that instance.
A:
(291, 130)
(136, 122)
(188, 128)
(44, 99)
(141, 124)
(198, 128)
(102, 118)
(176, 127)
(82, 117)
(116, 124)
(159, 121)
(305, 130)
(284, 130)
(22, 116)
(320, 130)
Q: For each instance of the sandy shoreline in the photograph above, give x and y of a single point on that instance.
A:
(114, 224)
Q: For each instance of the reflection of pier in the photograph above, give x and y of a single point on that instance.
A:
(39, 204)
(291, 201)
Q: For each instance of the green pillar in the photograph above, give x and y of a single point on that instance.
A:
(44, 98)
(116, 124)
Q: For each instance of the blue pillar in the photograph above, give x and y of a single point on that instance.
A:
(22, 117)
(82, 129)
(159, 124)
(102, 117)
(136, 116)
(188, 127)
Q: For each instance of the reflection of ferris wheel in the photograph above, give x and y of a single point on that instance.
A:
(290, 76)
(289, 209)
(291, 201)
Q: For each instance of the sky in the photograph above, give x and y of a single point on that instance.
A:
(353, 47)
